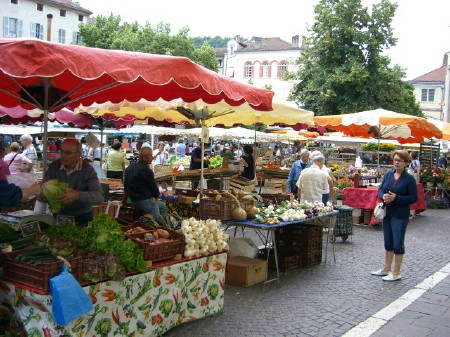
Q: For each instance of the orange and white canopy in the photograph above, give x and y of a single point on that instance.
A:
(381, 123)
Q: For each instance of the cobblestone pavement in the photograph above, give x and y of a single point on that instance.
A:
(331, 298)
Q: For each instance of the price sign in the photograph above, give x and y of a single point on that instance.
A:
(65, 219)
(30, 228)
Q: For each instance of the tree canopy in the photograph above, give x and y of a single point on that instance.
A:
(111, 33)
(342, 68)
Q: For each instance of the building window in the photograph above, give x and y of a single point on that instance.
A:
(77, 38)
(265, 70)
(37, 31)
(62, 12)
(62, 36)
(248, 67)
(428, 95)
(12, 27)
(80, 18)
(40, 7)
(282, 69)
(15, 2)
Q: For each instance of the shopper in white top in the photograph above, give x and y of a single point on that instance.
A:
(326, 192)
(160, 155)
(312, 181)
(29, 151)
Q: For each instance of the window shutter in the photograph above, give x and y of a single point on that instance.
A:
(5, 26)
(19, 28)
(41, 32)
(74, 37)
(33, 29)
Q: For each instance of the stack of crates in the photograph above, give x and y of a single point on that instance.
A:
(298, 246)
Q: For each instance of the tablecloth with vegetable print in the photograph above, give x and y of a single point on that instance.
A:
(142, 305)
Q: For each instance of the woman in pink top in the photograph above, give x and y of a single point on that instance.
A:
(16, 161)
(4, 169)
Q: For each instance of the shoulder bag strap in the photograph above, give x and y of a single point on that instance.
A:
(12, 159)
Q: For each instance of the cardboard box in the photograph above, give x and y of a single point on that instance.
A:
(245, 271)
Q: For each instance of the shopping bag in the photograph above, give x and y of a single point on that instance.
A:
(380, 211)
(69, 299)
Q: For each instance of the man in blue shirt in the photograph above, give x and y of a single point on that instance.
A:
(296, 169)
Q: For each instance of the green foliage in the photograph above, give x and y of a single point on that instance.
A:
(206, 56)
(7, 234)
(215, 42)
(342, 69)
(111, 33)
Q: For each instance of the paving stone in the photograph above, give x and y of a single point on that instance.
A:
(329, 299)
(427, 308)
(398, 329)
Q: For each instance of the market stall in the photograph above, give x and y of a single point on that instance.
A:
(149, 303)
(367, 199)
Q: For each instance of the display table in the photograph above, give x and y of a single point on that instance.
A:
(367, 198)
(268, 239)
(146, 304)
(194, 175)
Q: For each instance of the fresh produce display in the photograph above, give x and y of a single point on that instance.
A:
(203, 236)
(172, 220)
(155, 237)
(20, 244)
(181, 161)
(37, 257)
(7, 234)
(216, 161)
(51, 190)
(103, 235)
(291, 211)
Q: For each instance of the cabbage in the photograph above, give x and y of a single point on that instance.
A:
(51, 191)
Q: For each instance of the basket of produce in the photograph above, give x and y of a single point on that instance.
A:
(35, 267)
(160, 243)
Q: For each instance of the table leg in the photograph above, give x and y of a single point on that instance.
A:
(271, 234)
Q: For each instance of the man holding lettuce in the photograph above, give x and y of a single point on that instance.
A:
(70, 185)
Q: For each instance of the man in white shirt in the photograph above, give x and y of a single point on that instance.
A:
(312, 181)
(28, 150)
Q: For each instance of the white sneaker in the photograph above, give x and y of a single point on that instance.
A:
(380, 272)
(391, 277)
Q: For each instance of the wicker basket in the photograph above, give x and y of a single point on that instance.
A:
(36, 276)
(160, 251)
(277, 198)
(129, 214)
(219, 209)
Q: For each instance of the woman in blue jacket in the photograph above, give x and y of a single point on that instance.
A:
(398, 190)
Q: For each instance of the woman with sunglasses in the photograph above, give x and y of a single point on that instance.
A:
(398, 190)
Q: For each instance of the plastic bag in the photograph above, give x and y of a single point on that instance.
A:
(380, 211)
(242, 247)
(70, 301)
(23, 179)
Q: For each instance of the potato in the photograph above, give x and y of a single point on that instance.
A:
(162, 233)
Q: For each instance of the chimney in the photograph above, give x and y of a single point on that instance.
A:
(49, 27)
(295, 41)
(258, 42)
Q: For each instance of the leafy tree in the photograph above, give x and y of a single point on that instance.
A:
(215, 42)
(342, 69)
(206, 56)
(111, 33)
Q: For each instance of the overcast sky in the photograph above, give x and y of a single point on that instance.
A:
(422, 27)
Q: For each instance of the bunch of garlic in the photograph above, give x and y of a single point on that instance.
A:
(203, 236)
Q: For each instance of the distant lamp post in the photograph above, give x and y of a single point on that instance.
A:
(49, 27)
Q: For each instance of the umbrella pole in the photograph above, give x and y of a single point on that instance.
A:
(45, 135)
(202, 166)
(378, 153)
